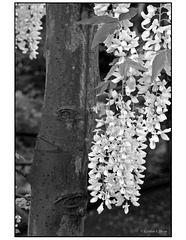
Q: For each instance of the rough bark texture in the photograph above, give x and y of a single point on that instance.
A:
(59, 170)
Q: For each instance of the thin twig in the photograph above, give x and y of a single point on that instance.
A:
(122, 89)
(25, 175)
(109, 95)
(22, 196)
(165, 19)
(23, 163)
(160, 13)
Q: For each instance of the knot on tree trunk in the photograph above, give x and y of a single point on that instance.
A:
(67, 113)
(72, 204)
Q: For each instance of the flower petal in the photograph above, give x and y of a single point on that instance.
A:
(100, 208)
(165, 137)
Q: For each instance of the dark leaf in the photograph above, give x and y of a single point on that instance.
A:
(104, 87)
(112, 85)
(100, 84)
(97, 20)
(132, 12)
(123, 68)
(114, 61)
(136, 65)
(109, 74)
(168, 56)
(103, 32)
(157, 65)
(167, 69)
(167, 66)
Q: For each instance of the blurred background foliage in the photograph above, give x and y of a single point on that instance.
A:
(29, 95)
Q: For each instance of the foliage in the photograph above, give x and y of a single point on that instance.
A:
(22, 207)
(22, 201)
(117, 156)
(28, 113)
(110, 24)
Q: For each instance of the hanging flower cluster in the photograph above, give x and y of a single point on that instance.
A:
(157, 38)
(156, 35)
(117, 154)
(116, 9)
(101, 9)
(156, 106)
(24, 202)
(28, 26)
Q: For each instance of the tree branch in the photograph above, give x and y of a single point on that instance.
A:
(25, 175)
(21, 196)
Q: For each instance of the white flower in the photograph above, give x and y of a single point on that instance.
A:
(118, 150)
(126, 208)
(28, 24)
(100, 9)
(100, 208)
(151, 12)
(121, 8)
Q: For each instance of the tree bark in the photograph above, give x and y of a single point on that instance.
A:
(59, 170)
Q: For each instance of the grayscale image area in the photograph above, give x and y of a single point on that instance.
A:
(93, 118)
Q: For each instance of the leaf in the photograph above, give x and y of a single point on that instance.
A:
(100, 85)
(167, 69)
(130, 14)
(136, 65)
(97, 20)
(112, 85)
(167, 66)
(103, 33)
(104, 87)
(112, 69)
(123, 68)
(114, 61)
(168, 56)
(158, 65)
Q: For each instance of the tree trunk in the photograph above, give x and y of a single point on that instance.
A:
(59, 170)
